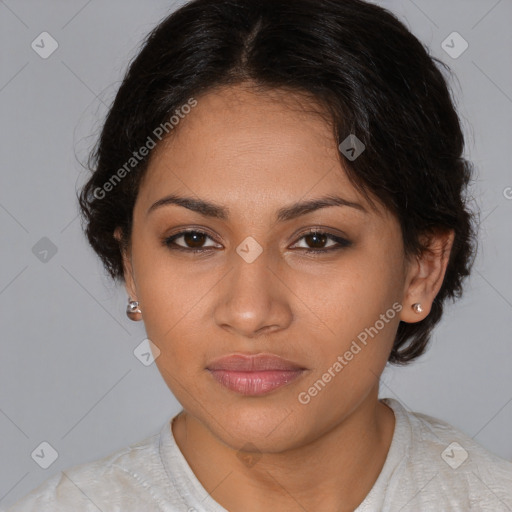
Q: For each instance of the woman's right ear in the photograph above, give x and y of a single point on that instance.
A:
(127, 265)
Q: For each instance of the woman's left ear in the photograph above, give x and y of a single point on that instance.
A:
(426, 274)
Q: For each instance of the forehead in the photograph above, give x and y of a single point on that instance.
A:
(254, 148)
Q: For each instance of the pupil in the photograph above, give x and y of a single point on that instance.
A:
(197, 238)
(317, 236)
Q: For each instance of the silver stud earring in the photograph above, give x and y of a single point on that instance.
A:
(133, 311)
(417, 308)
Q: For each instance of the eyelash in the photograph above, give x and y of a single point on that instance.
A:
(342, 242)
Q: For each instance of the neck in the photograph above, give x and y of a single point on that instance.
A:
(334, 472)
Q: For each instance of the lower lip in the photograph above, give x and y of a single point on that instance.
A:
(255, 383)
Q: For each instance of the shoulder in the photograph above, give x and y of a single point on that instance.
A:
(443, 463)
(129, 479)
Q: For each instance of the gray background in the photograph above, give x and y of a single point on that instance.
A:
(68, 374)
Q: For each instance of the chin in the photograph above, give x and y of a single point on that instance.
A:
(272, 428)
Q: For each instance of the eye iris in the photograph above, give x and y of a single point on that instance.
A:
(317, 237)
(194, 239)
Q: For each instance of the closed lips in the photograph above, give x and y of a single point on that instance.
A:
(253, 363)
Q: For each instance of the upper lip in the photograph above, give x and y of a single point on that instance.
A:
(257, 362)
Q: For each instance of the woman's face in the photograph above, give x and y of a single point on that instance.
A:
(254, 289)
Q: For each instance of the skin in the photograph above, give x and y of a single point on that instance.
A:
(254, 153)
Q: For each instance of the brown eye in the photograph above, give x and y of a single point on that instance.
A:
(316, 240)
(192, 241)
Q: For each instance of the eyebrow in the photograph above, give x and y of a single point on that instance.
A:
(214, 210)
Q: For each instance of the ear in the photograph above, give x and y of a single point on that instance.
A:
(425, 274)
(129, 280)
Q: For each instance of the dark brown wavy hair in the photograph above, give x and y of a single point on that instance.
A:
(371, 75)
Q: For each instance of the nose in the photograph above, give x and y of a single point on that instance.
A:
(253, 300)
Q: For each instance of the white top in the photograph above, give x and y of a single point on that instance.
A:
(430, 466)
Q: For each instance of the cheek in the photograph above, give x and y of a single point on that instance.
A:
(350, 294)
(166, 295)
(352, 352)
(356, 326)
(175, 299)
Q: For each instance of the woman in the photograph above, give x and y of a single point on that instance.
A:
(280, 186)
